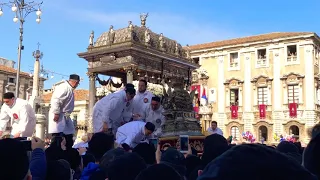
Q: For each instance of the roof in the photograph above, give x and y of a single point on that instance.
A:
(79, 95)
(11, 70)
(249, 39)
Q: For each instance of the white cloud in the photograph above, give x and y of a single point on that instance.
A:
(183, 29)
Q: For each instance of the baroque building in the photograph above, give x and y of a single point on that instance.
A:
(8, 80)
(266, 84)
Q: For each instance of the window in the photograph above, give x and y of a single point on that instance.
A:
(263, 133)
(293, 94)
(262, 58)
(294, 130)
(292, 53)
(234, 95)
(11, 80)
(262, 95)
(234, 60)
(235, 133)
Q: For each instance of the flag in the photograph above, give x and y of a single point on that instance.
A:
(204, 94)
(262, 111)
(234, 112)
(204, 98)
(293, 110)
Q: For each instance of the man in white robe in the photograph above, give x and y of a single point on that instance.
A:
(154, 114)
(62, 105)
(142, 100)
(22, 115)
(131, 134)
(108, 112)
(128, 110)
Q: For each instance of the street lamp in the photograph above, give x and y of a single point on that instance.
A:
(22, 9)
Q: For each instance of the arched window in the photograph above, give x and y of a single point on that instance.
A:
(235, 133)
(294, 130)
(263, 133)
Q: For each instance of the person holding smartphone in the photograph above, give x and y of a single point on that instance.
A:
(22, 115)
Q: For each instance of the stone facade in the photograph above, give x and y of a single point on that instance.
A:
(274, 70)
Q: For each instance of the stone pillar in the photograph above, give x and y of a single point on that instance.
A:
(92, 99)
(247, 115)
(277, 90)
(40, 126)
(310, 115)
(221, 102)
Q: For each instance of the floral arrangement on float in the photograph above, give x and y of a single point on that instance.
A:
(248, 136)
(156, 89)
(102, 91)
(280, 138)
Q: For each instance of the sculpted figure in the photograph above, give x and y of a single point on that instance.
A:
(162, 41)
(147, 36)
(91, 38)
(111, 34)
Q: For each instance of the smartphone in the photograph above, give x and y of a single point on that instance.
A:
(184, 143)
(27, 145)
(155, 142)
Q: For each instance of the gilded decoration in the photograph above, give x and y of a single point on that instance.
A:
(289, 124)
(140, 35)
(231, 124)
(269, 126)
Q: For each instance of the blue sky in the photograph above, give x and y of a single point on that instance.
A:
(66, 25)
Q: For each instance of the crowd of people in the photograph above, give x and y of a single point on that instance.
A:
(119, 149)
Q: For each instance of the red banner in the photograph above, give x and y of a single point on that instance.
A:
(293, 109)
(234, 112)
(262, 111)
(198, 89)
(196, 100)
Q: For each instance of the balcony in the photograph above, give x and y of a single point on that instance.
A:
(292, 58)
(205, 109)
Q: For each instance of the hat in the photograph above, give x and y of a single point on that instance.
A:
(74, 77)
(129, 85)
(130, 90)
(155, 98)
(150, 126)
(175, 159)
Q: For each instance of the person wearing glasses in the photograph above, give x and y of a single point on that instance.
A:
(62, 105)
(21, 114)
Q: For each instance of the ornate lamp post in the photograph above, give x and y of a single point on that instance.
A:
(22, 9)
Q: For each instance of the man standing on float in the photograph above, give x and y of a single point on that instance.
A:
(62, 105)
(23, 118)
(142, 100)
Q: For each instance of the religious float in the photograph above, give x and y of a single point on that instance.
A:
(134, 53)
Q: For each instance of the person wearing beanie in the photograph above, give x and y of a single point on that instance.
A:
(62, 105)
(131, 134)
(174, 159)
(22, 115)
(107, 113)
(125, 167)
(154, 114)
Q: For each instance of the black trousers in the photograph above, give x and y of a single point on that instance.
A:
(68, 137)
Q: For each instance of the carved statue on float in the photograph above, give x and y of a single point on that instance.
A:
(180, 117)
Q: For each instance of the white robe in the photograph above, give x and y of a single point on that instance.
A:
(62, 103)
(128, 110)
(141, 101)
(22, 115)
(155, 117)
(109, 110)
(131, 133)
